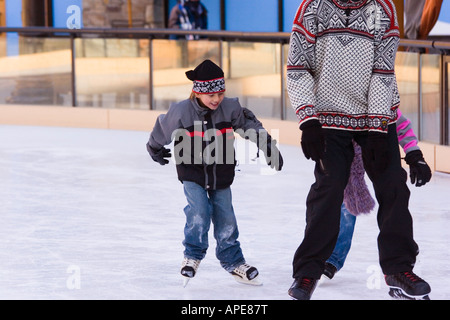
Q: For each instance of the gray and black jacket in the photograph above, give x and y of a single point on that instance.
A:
(204, 139)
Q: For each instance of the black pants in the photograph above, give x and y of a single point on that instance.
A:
(396, 246)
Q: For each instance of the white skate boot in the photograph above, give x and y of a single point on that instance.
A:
(189, 269)
(246, 274)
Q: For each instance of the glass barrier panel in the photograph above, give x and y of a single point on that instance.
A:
(407, 73)
(38, 72)
(171, 60)
(254, 77)
(112, 73)
(447, 100)
(431, 124)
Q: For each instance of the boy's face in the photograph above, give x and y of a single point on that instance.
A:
(211, 101)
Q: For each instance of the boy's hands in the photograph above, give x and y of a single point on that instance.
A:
(273, 156)
(159, 155)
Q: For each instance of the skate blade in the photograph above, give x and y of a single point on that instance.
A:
(292, 297)
(185, 281)
(254, 282)
(399, 294)
(324, 280)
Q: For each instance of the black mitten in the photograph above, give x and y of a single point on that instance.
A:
(418, 169)
(159, 155)
(313, 141)
(377, 150)
(273, 156)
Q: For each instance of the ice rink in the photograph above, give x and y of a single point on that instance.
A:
(86, 214)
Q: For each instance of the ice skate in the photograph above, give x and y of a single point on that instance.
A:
(246, 274)
(407, 286)
(189, 269)
(328, 273)
(302, 288)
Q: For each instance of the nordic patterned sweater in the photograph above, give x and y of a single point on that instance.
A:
(340, 67)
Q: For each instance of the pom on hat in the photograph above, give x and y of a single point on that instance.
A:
(207, 77)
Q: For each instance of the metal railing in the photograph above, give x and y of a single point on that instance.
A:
(441, 47)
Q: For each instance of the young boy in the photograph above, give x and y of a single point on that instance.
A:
(202, 128)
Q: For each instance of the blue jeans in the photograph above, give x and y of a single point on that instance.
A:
(344, 241)
(203, 207)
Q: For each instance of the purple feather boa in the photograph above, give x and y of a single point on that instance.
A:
(357, 197)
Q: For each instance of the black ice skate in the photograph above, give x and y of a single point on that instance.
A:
(188, 269)
(246, 274)
(329, 271)
(302, 288)
(408, 286)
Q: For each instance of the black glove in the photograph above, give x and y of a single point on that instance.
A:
(274, 160)
(159, 155)
(377, 150)
(313, 141)
(418, 169)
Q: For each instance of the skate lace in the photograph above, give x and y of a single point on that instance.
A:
(243, 269)
(411, 276)
(191, 263)
(307, 284)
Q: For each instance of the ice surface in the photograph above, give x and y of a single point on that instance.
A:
(86, 214)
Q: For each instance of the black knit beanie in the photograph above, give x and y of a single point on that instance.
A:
(208, 78)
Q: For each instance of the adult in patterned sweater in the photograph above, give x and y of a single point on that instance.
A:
(342, 86)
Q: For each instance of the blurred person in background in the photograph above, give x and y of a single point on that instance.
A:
(188, 15)
(420, 18)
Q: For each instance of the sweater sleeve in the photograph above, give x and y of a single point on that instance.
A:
(301, 63)
(406, 137)
(383, 92)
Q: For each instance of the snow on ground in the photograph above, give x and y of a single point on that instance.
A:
(86, 214)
